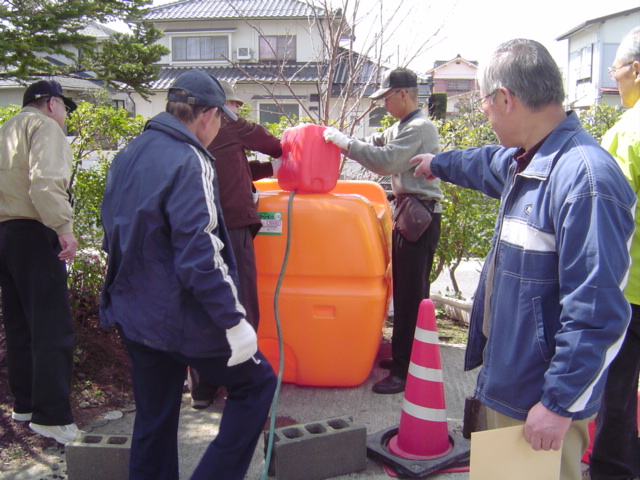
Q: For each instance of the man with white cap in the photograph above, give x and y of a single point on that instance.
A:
(417, 209)
(171, 289)
(237, 193)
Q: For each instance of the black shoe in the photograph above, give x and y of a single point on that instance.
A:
(202, 403)
(386, 363)
(390, 384)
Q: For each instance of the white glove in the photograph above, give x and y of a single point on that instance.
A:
(336, 137)
(243, 342)
(276, 164)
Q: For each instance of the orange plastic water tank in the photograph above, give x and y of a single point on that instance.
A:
(335, 294)
(372, 191)
(309, 163)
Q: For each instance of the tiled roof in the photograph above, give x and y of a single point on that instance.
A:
(368, 69)
(440, 63)
(295, 72)
(67, 83)
(273, 73)
(98, 31)
(584, 25)
(222, 9)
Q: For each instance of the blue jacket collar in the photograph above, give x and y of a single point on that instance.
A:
(167, 123)
(542, 162)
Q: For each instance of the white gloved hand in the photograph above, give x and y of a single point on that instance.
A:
(336, 137)
(276, 164)
(243, 342)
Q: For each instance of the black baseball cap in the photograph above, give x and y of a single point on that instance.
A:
(397, 78)
(46, 88)
(202, 89)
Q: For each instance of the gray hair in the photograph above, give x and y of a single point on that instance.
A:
(527, 70)
(412, 93)
(629, 49)
(186, 112)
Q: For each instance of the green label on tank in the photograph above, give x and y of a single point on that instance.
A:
(271, 223)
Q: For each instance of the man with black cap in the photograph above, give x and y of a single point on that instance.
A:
(170, 287)
(36, 239)
(417, 209)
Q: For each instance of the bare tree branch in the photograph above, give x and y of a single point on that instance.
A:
(347, 70)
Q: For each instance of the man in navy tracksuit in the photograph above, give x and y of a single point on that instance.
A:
(171, 287)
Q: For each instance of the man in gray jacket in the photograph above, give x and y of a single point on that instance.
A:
(414, 243)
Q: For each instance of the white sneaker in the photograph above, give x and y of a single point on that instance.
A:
(21, 417)
(200, 404)
(60, 433)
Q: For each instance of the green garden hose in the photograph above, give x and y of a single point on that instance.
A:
(276, 297)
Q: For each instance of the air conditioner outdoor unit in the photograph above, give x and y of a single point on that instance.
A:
(244, 53)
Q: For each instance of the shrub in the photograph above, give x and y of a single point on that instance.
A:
(97, 129)
(100, 130)
(598, 119)
(468, 216)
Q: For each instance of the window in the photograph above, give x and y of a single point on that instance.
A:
(200, 48)
(580, 62)
(278, 47)
(586, 58)
(271, 113)
(376, 115)
(458, 85)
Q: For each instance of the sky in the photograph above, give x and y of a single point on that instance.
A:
(471, 28)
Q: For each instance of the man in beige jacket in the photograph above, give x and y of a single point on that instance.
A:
(36, 239)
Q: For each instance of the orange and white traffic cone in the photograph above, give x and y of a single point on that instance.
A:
(422, 443)
(424, 408)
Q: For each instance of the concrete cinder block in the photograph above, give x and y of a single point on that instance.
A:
(318, 450)
(98, 457)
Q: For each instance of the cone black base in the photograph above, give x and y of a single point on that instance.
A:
(408, 467)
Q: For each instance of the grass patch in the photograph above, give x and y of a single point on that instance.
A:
(451, 331)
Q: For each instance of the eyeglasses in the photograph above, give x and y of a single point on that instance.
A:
(63, 104)
(613, 71)
(384, 99)
(480, 101)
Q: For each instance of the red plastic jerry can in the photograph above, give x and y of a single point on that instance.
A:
(309, 163)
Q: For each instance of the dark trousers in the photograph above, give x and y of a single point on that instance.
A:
(244, 252)
(37, 321)
(411, 263)
(158, 378)
(616, 447)
(242, 245)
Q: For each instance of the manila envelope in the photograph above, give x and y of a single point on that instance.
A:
(504, 454)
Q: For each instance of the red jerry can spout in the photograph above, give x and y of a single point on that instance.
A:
(309, 163)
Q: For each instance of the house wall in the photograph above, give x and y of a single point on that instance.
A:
(242, 34)
(12, 92)
(456, 70)
(586, 88)
(11, 96)
(254, 95)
